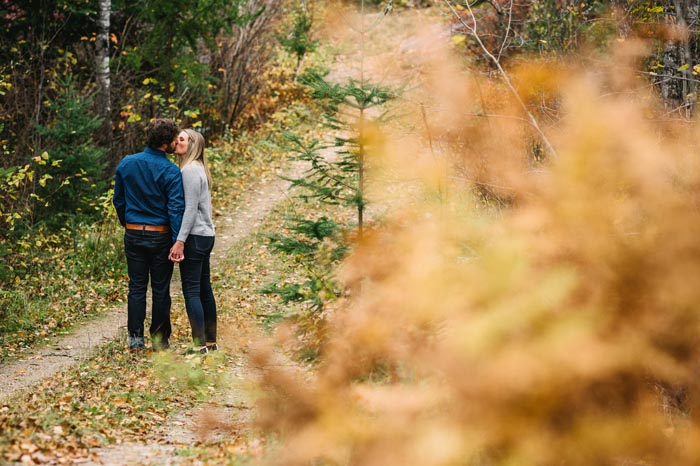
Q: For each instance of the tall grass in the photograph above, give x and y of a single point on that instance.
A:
(556, 324)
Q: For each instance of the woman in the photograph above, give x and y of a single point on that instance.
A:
(196, 241)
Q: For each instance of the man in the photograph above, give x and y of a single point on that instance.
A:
(149, 200)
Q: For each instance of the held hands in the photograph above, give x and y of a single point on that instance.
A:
(177, 252)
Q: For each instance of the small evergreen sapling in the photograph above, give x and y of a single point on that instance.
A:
(335, 176)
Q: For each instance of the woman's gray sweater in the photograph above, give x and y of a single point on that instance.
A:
(197, 217)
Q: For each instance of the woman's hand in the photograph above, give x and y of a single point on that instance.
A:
(177, 252)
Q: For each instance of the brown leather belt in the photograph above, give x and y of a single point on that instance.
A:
(163, 228)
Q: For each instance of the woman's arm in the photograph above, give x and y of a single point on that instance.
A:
(193, 188)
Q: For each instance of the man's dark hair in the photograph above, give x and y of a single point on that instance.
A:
(161, 131)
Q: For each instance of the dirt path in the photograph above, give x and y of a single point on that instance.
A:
(60, 353)
(65, 351)
(224, 415)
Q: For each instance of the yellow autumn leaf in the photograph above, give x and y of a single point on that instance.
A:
(44, 178)
(459, 39)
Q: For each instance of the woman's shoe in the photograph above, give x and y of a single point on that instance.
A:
(202, 350)
(212, 347)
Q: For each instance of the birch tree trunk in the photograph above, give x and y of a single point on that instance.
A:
(104, 101)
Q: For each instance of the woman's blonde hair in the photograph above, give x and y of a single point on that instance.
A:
(195, 152)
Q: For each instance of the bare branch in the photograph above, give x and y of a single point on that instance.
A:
(508, 29)
(504, 75)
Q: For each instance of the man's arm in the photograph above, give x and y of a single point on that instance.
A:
(118, 199)
(176, 202)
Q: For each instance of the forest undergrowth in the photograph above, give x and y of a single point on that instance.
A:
(519, 294)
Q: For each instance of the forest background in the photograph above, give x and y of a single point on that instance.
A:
(522, 293)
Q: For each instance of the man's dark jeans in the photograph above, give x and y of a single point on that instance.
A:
(147, 255)
(196, 287)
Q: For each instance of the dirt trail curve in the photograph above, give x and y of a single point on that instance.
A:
(65, 351)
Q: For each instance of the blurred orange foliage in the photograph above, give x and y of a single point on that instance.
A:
(559, 326)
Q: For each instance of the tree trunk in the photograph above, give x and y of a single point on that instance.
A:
(104, 100)
(671, 89)
(621, 15)
(688, 84)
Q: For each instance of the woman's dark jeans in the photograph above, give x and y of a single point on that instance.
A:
(196, 287)
(147, 255)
